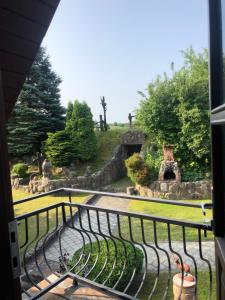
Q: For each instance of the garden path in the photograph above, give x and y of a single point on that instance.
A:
(71, 240)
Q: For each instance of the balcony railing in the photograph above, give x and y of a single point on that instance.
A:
(67, 246)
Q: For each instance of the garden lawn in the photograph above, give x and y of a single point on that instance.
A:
(45, 222)
(171, 211)
(166, 211)
(41, 202)
(202, 288)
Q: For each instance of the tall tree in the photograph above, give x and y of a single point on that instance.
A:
(69, 111)
(177, 111)
(77, 141)
(38, 109)
(81, 127)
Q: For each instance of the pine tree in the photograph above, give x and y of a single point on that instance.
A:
(69, 111)
(81, 127)
(77, 141)
(60, 148)
(38, 109)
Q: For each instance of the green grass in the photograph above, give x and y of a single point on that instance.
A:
(40, 202)
(171, 211)
(106, 145)
(202, 287)
(39, 227)
(166, 211)
(120, 186)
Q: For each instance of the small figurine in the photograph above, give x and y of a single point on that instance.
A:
(183, 267)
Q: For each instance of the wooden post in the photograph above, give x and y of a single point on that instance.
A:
(104, 106)
(8, 285)
(101, 123)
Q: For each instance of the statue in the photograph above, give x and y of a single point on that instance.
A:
(130, 117)
(72, 170)
(104, 106)
(88, 171)
(47, 169)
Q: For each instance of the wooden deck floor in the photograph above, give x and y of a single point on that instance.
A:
(67, 289)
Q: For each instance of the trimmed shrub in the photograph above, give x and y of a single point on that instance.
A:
(80, 126)
(137, 170)
(20, 169)
(60, 149)
(102, 250)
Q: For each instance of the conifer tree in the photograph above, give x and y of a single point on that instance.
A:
(77, 141)
(81, 127)
(38, 109)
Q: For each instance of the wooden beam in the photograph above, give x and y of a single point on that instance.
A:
(8, 285)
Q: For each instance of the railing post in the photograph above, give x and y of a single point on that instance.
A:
(70, 200)
(64, 213)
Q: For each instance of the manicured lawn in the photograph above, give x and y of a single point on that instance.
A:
(171, 211)
(166, 211)
(41, 202)
(202, 287)
(45, 222)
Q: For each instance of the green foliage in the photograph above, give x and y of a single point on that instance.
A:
(38, 109)
(153, 160)
(176, 111)
(192, 176)
(77, 141)
(20, 169)
(69, 112)
(60, 149)
(137, 170)
(81, 128)
(104, 249)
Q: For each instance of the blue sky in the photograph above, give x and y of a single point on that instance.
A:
(114, 48)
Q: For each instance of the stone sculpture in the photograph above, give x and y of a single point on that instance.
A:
(47, 169)
(88, 171)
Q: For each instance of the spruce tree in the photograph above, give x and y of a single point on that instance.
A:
(69, 111)
(60, 149)
(81, 127)
(38, 109)
(77, 141)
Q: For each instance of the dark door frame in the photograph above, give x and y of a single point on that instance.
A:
(217, 105)
(9, 285)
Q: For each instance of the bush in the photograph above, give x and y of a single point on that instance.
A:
(20, 169)
(153, 159)
(60, 149)
(137, 170)
(80, 126)
(134, 259)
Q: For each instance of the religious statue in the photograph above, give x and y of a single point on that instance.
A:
(47, 169)
(88, 171)
(130, 117)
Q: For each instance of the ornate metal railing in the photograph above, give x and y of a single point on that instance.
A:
(128, 255)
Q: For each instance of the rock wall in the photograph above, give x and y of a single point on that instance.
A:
(176, 190)
(113, 171)
(133, 137)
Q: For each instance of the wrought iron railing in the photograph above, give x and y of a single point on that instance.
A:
(128, 255)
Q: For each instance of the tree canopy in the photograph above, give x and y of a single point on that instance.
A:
(38, 109)
(77, 141)
(176, 111)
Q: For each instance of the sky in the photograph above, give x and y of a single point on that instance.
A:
(114, 48)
